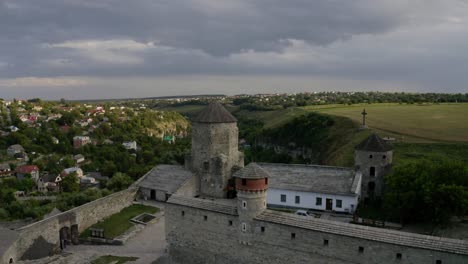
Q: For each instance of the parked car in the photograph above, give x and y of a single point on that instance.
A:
(302, 212)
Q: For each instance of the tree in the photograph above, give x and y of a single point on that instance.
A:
(119, 182)
(427, 190)
(71, 183)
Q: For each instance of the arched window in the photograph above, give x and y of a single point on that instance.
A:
(372, 171)
(244, 204)
(244, 227)
(11, 261)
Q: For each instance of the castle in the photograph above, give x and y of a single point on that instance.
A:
(218, 211)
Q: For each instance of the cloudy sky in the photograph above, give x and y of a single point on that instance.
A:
(79, 49)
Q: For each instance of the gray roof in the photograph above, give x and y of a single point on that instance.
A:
(252, 171)
(311, 178)
(365, 232)
(374, 143)
(16, 147)
(5, 166)
(205, 204)
(7, 238)
(215, 113)
(167, 178)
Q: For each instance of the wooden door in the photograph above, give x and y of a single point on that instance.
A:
(329, 205)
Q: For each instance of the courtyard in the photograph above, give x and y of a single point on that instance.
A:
(147, 245)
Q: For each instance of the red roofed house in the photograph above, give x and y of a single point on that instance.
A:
(22, 171)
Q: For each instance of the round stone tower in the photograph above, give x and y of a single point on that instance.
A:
(373, 157)
(215, 149)
(251, 186)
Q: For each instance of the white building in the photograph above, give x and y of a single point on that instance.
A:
(67, 171)
(313, 187)
(130, 145)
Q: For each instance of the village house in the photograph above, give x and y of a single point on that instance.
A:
(53, 117)
(80, 141)
(97, 176)
(68, 171)
(48, 182)
(22, 171)
(14, 150)
(130, 145)
(13, 128)
(55, 140)
(88, 182)
(5, 170)
(79, 158)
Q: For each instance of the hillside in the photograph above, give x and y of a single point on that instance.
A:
(421, 131)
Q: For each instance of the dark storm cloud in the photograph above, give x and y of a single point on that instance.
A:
(419, 41)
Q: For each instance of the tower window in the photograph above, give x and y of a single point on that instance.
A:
(283, 198)
(206, 165)
(205, 217)
(244, 204)
(318, 201)
(298, 199)
(293, 235)
(244, 182)
(372, 171)
(384, 157)
(371, 186)
(266, 180)
(361, 249)
(370, 156)
(230, 222)
(244, 227)
(325, 242)
(182, 213)
(438, 261)
(398, 255)
(262, 229)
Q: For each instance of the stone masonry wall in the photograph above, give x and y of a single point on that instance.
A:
(363, 160)
(42, 238)
(215, 151)
(194, 240)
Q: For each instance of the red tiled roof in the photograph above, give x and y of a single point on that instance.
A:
(26, 169)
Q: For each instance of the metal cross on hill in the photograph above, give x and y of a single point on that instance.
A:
(364, 113)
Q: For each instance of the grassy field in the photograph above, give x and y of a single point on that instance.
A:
(409, 123)
(117, 224)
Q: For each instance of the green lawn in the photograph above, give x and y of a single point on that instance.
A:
(409, 123)
(117, 224)
(112, 259)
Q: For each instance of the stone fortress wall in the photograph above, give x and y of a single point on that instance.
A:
(42, 238)
(200, 231)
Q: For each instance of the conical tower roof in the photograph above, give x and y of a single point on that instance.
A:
(252, 171)
(374, 143)
(215, 113)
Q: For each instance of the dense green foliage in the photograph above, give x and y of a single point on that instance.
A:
(427, 191)
(71, 183)
(119, 182)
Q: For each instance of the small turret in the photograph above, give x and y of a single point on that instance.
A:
(251, 186)
(373, 157)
